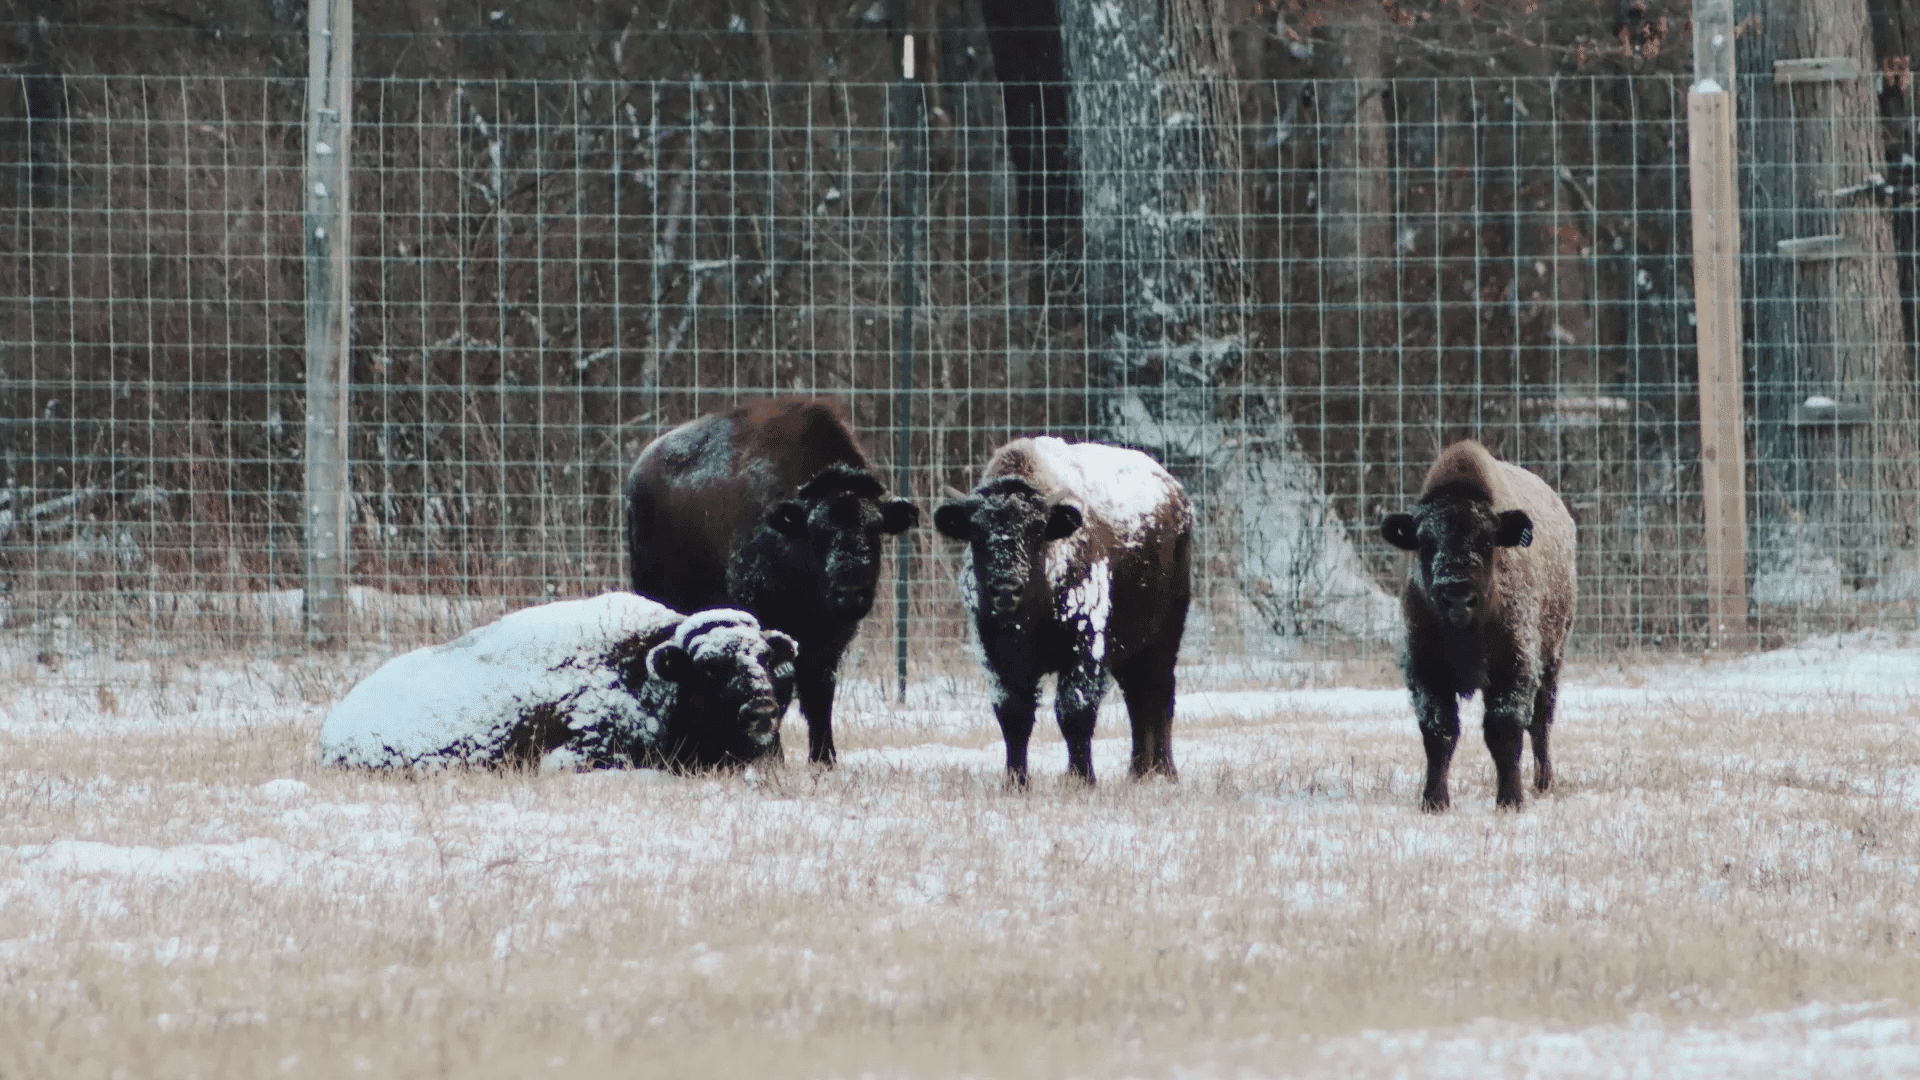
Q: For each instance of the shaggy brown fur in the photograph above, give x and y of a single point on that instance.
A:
(771, 508)
(1079, 564)
(1488, 604)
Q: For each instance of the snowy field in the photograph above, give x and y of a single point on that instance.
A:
(1727, 884)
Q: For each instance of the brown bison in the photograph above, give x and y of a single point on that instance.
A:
(1487, 605)
(1078, 564)
(772, 508)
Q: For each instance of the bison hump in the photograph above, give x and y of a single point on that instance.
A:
(1125, 489)
(1464, 470)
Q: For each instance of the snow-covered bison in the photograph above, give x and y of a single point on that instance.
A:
(771, 508)
(1079, 563)
(1488, 604)
(609, 682)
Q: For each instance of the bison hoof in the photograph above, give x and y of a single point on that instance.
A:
(1510, 802)
(1434, 804)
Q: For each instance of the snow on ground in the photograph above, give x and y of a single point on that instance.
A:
(1815, 1041)
(1308, 790)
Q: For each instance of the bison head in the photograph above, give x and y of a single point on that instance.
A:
(734, 679)
(1455, 535)
(1008, 522)
(840, 516)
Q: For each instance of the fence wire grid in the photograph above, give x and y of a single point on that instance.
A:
(547, 275)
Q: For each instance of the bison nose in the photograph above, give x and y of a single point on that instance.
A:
(761, 716)
(1006, 597)
(1453, 592)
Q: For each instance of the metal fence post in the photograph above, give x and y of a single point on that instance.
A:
(907, 126)
(329, 128)
(1716, 294)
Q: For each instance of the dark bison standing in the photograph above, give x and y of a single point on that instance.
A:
(772, 508)
(1079, 563)
(1488, 604)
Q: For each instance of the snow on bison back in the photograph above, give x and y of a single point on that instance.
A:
(612, 681)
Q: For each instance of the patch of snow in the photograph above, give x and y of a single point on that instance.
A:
(1299, 566)
(721, 634)
(259, 860)
(1866, 664)
(1818, 1040)
(1125, 488)
(283, 789)
(1800, 582)
(1088, 604)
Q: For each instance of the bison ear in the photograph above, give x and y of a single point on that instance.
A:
(955, 519)
(1398, 530)
(789, 519)
(668, 662)
(1063, 521)
(898, 516)
(781, 649)
(1516, 529)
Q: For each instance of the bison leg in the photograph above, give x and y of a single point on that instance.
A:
(1508, 713)
(1146, 680)
(1543, 701)
(1076, 706)
(1015, 712)
(1439, 716)
(644, 571)
(814, 688)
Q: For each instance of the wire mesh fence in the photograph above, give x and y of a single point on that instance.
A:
(546, 275)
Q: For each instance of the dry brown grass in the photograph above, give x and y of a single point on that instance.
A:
(187, 893)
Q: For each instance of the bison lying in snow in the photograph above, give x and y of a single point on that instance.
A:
(771, 508)
(1079, 563)
(1488, 604)
(613, 681)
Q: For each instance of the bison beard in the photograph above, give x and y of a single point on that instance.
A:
(774, 509)
(1488, 604)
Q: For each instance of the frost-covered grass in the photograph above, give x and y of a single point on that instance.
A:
(1728, 883)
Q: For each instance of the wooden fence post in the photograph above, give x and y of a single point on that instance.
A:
(1716, 296)
(324, 502)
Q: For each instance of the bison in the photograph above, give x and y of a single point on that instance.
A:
(1488, 604)
(771, 508)
(613, 681)
(1079, 563)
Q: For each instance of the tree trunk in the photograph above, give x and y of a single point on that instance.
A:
(1358, 199)
(1834, 445)
(1356, 281)
(1154, 126)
